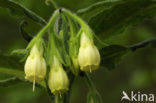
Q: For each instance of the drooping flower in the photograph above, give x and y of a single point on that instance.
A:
(88, 57)
(35, 66)
(58, 80)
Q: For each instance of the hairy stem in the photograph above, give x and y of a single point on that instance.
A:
(85, 27)
(44, 29)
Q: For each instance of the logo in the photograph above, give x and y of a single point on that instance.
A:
(138, 97)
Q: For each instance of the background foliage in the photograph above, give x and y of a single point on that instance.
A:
(120, 23)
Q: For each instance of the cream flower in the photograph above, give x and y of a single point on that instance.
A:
(58, 80)
(35, 66)
(88, 57)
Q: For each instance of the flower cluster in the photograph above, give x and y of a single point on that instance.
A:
(84, 57)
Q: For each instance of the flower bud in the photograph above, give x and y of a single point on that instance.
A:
(75, 68)
(58, 80)
(88, 57)
(35, 66)
(94, 97)
(73, 52)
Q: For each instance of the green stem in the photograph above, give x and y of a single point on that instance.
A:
(83, 24)
(51, 22)
(59, 99)
(72, 28)
(54, 4)
(67, 12)
(89, 82)
(52, 42)
(44, 29)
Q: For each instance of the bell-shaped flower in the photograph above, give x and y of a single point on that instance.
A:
(35, 66)
(88, 57)
(58, 79)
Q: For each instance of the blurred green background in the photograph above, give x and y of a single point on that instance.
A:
(136, 72)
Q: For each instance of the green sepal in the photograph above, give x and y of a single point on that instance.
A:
(74, 45)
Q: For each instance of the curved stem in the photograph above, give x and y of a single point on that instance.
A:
(92, 88)
(83, 24)
(54, 4)
(89, 82)
(51, 22)
(44, 29)
(67, 12)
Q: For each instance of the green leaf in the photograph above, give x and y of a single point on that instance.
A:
(21, 11)
(93, 10)
(112, 55)
(11, 60)
(18, 74)
(12, 72)
(111, 18)
(100, 44)
(10, 65)
(9, 82)
(18, 77)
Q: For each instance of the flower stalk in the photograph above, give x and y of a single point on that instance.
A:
(44, 29)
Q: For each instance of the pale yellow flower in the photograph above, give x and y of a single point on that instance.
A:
(35, 66)
(58, 80)
(88, 57)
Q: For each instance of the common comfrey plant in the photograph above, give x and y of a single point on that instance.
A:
(69, 52)
(66, 49)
